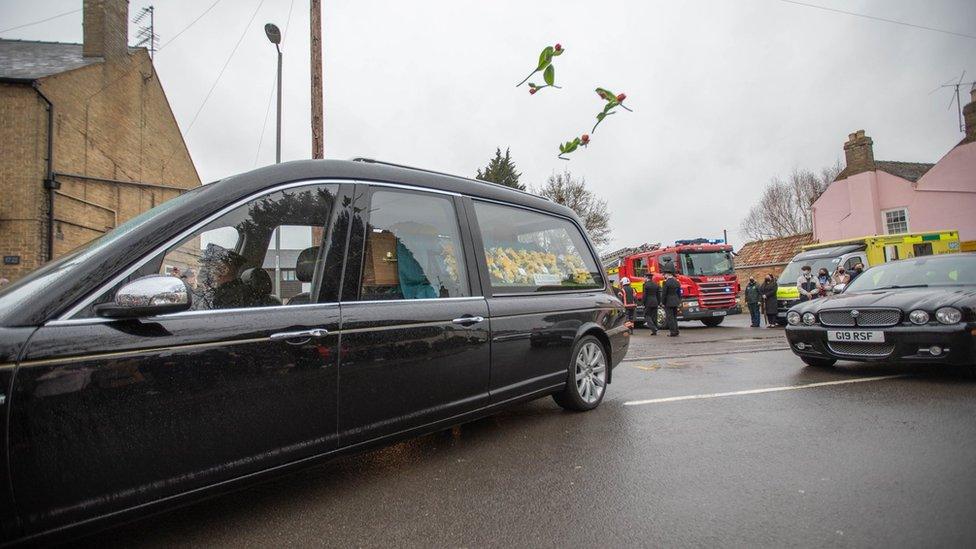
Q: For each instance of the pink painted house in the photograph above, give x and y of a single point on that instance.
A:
(880, 197)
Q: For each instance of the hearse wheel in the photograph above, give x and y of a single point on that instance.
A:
(818, 362)
(712, 322)
(587, 376)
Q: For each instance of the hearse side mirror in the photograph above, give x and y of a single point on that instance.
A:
(147, 296)
(839, 289)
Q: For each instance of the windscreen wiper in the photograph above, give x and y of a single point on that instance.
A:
(896, 287)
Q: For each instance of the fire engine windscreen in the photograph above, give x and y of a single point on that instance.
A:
(706, 263)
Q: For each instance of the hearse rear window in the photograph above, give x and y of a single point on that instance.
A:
(528, 251)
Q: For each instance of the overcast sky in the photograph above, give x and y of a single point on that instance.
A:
(726, 94)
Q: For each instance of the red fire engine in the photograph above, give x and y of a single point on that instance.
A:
(703, 267)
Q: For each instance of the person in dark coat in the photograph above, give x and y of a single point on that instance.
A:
(671, 300)
(768, 291)
(752, 300)
(652, 298)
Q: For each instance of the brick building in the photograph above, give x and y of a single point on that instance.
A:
(761, 257)
(87, 140)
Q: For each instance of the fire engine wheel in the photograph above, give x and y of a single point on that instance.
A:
(712, 322)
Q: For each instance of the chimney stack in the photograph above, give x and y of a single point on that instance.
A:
(859, 151)
(106, 24)
(969, 114)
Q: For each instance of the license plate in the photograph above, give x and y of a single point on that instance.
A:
(855, 336)
(719, 313)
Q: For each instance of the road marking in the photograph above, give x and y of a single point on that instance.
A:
(758, 391)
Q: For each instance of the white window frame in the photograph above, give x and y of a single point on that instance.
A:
(884, 219)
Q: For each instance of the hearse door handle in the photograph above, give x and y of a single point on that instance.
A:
(468, 320)
(304, 336)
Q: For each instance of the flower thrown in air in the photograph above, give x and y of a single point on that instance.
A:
(570, 146)
(546, 67)
(613, 101)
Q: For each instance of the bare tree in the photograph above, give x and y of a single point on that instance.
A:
(784, 209)
(563, 188)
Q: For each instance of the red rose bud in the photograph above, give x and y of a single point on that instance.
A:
(532, 91)
(558, 47)
(584, 139)
(621, 97)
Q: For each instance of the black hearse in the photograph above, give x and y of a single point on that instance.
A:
(275, 318)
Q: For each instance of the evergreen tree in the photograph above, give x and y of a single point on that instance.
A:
(501, 170)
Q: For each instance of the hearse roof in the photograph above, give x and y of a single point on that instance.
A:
(367, 170)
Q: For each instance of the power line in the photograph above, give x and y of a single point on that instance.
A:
(222, 69)
(199, 17)
(41, 21)
(875, 18)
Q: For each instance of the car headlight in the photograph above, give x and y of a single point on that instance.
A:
(918, 316)
(809, 319)
(948, 315)
(793, 318)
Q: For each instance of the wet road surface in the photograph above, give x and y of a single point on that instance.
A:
(875, 462)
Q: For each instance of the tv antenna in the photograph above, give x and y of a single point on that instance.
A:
(147, 36)
(955, 96)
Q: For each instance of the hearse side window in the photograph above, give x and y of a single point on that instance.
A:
(413, 248)
(233, 261)
(528, 251)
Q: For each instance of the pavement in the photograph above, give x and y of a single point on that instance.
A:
(718, 437)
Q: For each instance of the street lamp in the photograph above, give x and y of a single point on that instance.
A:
(274, 36)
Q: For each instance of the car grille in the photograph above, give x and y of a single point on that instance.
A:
(875, 318)
(848, 348)
(717, 295)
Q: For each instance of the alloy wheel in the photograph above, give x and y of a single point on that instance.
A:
(591, 372)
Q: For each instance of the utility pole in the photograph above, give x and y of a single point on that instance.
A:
(318, 138)
(274, 36)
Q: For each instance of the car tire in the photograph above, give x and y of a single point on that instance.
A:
(712, 322)
(818, 362)
(586, 377)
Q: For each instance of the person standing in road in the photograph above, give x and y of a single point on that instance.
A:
(652, 298)
(627, 296)
(807, 284)
(752, 300)
(671, 299)
(768, 291)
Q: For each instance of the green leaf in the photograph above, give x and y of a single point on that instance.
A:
(607, 94)
(545, 58)
(562, 148)
(550, 75)
(571, 146)
(601, 116)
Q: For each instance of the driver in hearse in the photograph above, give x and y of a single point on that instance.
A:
(219, 286)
